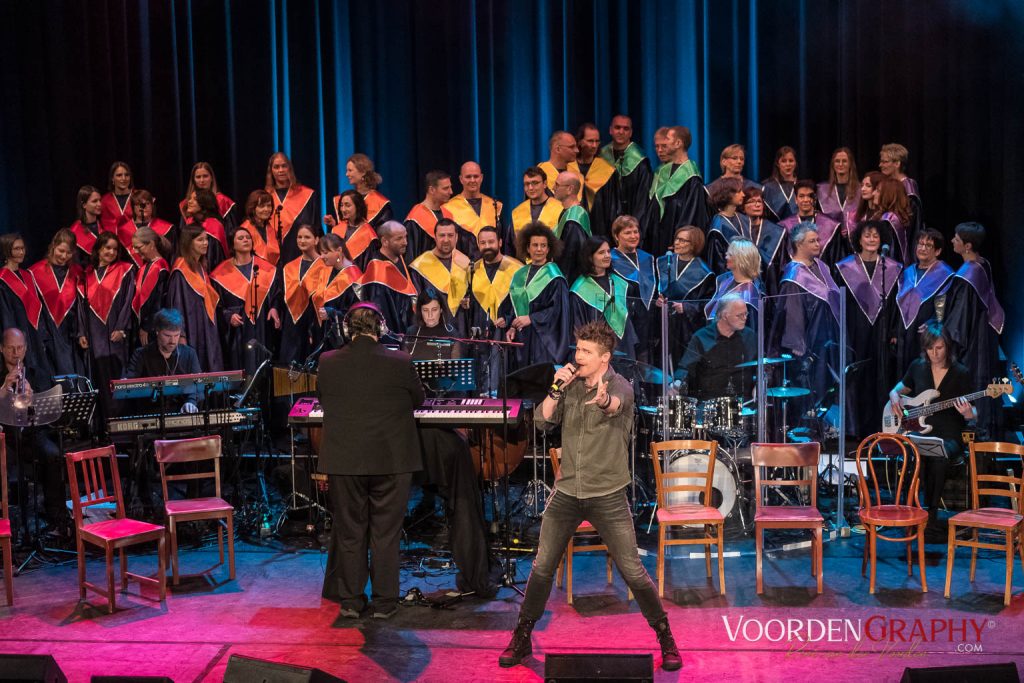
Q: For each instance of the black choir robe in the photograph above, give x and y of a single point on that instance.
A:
(336, 291)
(573, 228)
(723, 229)
(916, 221)
(489, 302)
(419, 225)
(218, 248)
(639, 269)
(194, 296)
(21, 307)
(869, 311)
(773, 244)
(161, 227)
(229, 212)
(264, 241)
(915, 305)
(779, 199)
(114, 211)
(690, 283)
(107, 307)
(806, 325)
(750, 292)
(472, 215)
(388, 284)
(974, 319)
(626, 191)
(677, 198)
(249, 291)
(58, 290)
(150, 292)
(596, 176)
(292, 208)
(898, 240)
(362, 242)
(605, 298)
(842, 210)
(298, 319)
(85, 239)
(541, 293)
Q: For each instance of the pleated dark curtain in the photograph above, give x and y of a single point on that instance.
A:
(422, 85)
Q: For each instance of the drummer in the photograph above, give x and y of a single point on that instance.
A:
(708, 369)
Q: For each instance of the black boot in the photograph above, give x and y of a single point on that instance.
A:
(670, 659)
(520, 645)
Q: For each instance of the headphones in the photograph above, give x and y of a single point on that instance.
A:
(382, 325)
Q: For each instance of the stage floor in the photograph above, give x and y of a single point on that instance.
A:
(274, 611)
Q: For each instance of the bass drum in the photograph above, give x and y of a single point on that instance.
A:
(725, 489)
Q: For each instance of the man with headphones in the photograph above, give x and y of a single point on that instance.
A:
(370, 450)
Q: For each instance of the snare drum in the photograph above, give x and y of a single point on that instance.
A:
(682, 411)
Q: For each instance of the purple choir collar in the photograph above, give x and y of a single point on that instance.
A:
(867, 292)
(823, 288)
(976, 275)
(913, 292)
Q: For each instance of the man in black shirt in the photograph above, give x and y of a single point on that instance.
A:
(165, 356)
(708, 366)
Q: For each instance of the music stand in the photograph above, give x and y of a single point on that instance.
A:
(447, 374)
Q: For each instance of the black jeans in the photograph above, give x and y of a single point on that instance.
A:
(611, 518)
(368, 513)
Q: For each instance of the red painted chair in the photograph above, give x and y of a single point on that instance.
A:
(670, 482)
(903, 513)
(201, 451)
(1007, 523)
(5, 525)
(803, 456)
(584, 531)
(95, 482)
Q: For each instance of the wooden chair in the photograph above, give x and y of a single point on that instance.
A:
(697, 513)
(904, 512)
(991, 521)
(5, 525)
(803, 456)
(97, 467)
(203, 450)
(586, 531)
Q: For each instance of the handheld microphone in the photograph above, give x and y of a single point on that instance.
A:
(885, 250)
(557, 384)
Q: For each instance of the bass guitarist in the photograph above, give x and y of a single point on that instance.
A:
(937, 369)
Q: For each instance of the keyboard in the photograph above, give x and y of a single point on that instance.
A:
(456, 412)
(135, 424)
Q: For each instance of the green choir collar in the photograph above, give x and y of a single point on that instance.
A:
(631, 158)
(574, 213)
(524, 293)
(666, 183)
(613, 309)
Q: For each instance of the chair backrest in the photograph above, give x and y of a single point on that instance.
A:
(1014, 486)
(801, 456)
(4, 512)
(695, 481)
(100, 482)
(909, 459)
(202, 449)
(556, 460)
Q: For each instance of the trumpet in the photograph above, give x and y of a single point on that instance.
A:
(22, 391)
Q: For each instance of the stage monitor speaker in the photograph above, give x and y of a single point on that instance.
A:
(31, 669)
(248, 670)
(990, 673)
(598, 667)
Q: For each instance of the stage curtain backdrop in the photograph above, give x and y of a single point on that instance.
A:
(423, 85)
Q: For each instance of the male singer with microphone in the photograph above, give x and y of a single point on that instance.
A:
(594, 406)
(708, 366)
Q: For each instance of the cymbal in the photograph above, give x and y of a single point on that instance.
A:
(748, 412)
(650, 410)
(787, 392)
(767, 361)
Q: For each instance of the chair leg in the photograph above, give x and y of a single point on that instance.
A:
(559, 572)
(568, 573)
(161, 565)
(660, 564)
(920, 558)
(864, 559)
(81, 570)
(231, 546)
(910, 571)
(759, 549)
(873, 533)
(123, 562)
(220, 542)
(1020, 545)
(1009, 568)
(172, 527)
(707, 549)
(8, 571)
(817, 550)
(608, 567)
(950, 555)
(110, 580)
(721, 559)
(974, 553)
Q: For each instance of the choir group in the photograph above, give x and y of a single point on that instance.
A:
(602, 232)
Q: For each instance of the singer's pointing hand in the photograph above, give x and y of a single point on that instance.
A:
(601, 397)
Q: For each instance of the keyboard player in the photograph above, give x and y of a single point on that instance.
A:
(165, 356)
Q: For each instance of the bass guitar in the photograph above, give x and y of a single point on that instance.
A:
(917, 408)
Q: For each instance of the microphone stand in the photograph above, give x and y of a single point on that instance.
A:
(84, 318)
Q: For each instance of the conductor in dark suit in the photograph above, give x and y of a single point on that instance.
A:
(370, 450)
